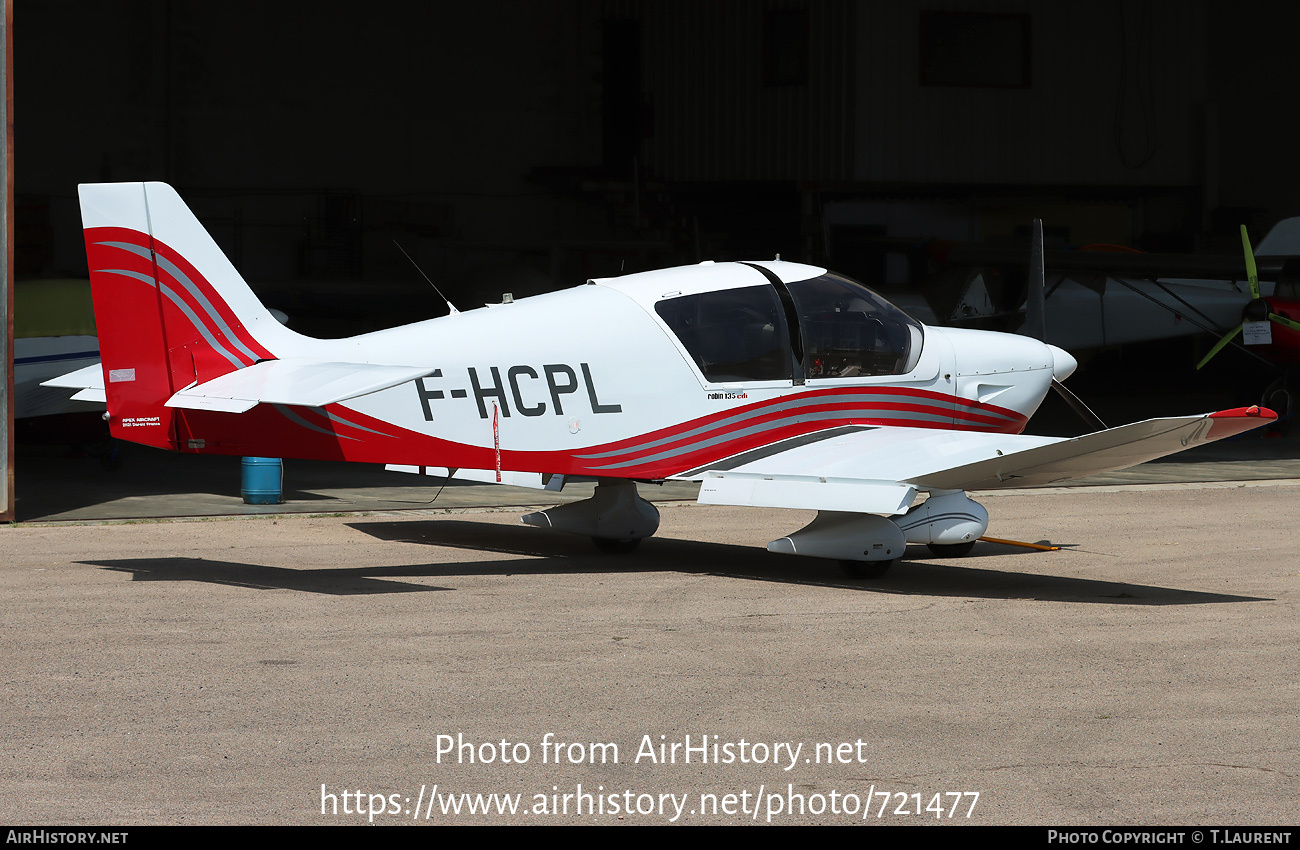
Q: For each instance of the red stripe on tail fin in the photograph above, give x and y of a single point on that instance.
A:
(162, 291)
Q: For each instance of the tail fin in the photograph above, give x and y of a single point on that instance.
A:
(170, 308)
(1283, 240)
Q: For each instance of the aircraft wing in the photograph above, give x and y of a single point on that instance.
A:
(307, 383)
(879, 469)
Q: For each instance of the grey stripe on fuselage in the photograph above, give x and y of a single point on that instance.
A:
(295, 418)
(778, 447)
(806, 400)
(339, 419)
(768, 426)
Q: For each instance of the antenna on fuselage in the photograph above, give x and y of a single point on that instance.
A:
(450, 306)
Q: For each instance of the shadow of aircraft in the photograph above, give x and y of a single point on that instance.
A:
(552, 554)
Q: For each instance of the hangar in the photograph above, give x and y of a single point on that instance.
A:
(520, 147)
(256, 670)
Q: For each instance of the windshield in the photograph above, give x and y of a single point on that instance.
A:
(849, 331)
(745, 334)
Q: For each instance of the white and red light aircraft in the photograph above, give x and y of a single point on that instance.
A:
(774, 384)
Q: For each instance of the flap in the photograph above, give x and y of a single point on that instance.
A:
(806, 491)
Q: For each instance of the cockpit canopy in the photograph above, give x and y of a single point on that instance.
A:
(824, 327)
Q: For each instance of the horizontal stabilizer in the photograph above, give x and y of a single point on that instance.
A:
(89, 380)
(89, 377)
(303, 383)
(95, 394)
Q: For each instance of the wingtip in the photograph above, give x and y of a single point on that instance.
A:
(1229, 423)
(1254, 411)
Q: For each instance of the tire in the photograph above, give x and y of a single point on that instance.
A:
(951, 550)
(614, 546)
(865, 569)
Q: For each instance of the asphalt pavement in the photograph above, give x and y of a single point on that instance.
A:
(371, 653)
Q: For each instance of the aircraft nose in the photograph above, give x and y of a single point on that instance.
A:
(1063, 363)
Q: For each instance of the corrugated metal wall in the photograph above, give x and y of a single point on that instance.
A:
(710, 115)
(1117, 96)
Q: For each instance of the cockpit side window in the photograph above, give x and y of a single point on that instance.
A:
(850, 331)
(732, 334)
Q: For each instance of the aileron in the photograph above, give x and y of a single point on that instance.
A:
(1091, 454)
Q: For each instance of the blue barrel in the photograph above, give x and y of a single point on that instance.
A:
(261, 481)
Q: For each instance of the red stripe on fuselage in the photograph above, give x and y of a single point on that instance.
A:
(268, 432)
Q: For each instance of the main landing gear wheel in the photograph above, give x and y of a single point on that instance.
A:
(865, 569)
(950, 550)
(614, 546)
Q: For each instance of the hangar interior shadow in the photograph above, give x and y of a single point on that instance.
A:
(546, 554)
(63, 480)
(62, 483)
